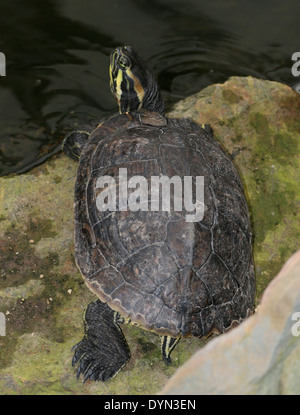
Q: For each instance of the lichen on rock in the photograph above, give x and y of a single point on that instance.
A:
(42, 294)
(260, 357)
(258, 124)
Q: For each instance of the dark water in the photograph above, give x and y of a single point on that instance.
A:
(57, 58)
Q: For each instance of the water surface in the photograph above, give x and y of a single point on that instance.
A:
(57, 58)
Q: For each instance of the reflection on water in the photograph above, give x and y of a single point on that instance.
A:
(57, 58)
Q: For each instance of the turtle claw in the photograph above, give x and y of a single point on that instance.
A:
(90, 362)
(103, 351)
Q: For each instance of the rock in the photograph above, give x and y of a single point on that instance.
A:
(43, 297)
(257, 122)
(20, 292)
(261, 356)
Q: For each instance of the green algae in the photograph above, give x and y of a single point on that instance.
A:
(262, 133)
(231, 96)
(274, 197)
(257, 122)
(43, 295)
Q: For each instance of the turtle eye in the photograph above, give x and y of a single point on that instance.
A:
(124, 62)
(128, 49)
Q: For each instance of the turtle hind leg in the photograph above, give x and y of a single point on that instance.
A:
(103, 351)
(168, 344)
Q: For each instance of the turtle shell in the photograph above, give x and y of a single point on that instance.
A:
(171, 276)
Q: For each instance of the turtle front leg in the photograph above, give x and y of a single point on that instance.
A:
(103, 351)
(74, 143)
(167, 346)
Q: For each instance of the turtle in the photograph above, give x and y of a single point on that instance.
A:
(163, 269)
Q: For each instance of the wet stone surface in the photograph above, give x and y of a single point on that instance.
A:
(42, 294)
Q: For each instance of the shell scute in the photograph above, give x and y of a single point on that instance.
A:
(168, 275)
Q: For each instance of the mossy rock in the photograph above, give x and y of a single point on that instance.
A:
(259, 357)
(42, 294)
(43, 297)
(258, 124)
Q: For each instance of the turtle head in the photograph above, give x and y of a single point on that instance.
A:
(132, 82)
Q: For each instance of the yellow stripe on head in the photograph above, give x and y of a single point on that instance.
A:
(132, 83)
(118, 81)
